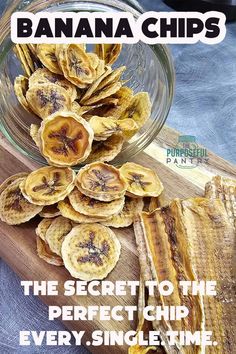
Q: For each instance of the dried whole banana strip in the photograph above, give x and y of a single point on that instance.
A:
(90, 251)
(224, 189)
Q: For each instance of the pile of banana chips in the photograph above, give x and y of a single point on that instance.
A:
(87, 113)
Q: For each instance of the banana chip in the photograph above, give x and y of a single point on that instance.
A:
(114, 76)
(101, 181)
(20, 54)
(69, 212)
(28, 58)
(44, 252)
(104, 127)
(76, 108)
(108, 52)
(34, 133)
(48, 185)
(107, 150)
(14, 208)
(47, 55)
(103, 93)
(43, 227)
(57, 232)
(126, 217)
(12, 179)
(90, 251)
(124, 96)
(95, 208)
(44, 76)
(139, 109)
(20, 88)
(142, 181)
(46, 99)
(66, 139)
(50, 211)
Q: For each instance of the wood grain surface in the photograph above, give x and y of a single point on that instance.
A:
(18, 246)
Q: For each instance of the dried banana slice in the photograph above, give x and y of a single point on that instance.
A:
(69, 212)
(141, 181)
(103, 93)
(12, 179)
(104, 127)
(126, 217)
(94, 60)
(50, 211)
(90, 251)
(107, 150)
(95, 208)
(76, 108)
(21, 87)
(28, 57)
(20, 54)
(114, 76)
(14, 208)
(43, 76)
(101, 181)
(109, 101)
(57, 232)
(100, 68)
(66, 139)
(43, 227)
(34, 133)
(108, 52)
(48, 185)
(156, 202)
(47, 55)
(124, 96)
(46, 99)
(139, 109)
(44, 252)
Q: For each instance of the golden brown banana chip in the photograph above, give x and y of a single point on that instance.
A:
(43, 76)
(107, 150)
(114, 76)
(90, 251)
(95, 208)
(14, 208)
(139, 109)
(100, 68)
(48, 185)
(50, 211)
(12, 179)
(94, 60)
(124, 96)
(42, 228)
(66, 139)
(21, 87)
(47, 55)
(46, 99)
(142, 181)
(103, 93)
(101, 181)
(104, 127)
(57, 232)
(21, 56)
(76, 108)
(69, 212)
(34, 133)
(44, 252)
(126, 217)
(109, 101)
(28, 57)
(108, 52)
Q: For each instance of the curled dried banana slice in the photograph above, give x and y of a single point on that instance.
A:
(14, 208)
(43, 76)
(90, 251)
(47, 55)
(34, 133)
(69, 212)
(21, 56)
(95, 208)
(113, 77)
(46, 99)
(28, 57)
(50, 211)
(124, 96)
(101, 181)
(104, 127)
(57, 232)
(103, 93)
(106, 150)
(42, 228)
(20, 88)
(12, 179)
(66, 139)
(139, 109)
(126, 217)
(142, 181)
(48, 185)
(108, 52)
(44, 252)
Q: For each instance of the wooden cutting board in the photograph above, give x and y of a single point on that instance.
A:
(18, 247)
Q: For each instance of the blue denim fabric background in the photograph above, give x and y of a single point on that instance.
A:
(204, 106)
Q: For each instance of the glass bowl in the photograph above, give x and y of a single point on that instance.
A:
(149, 68)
